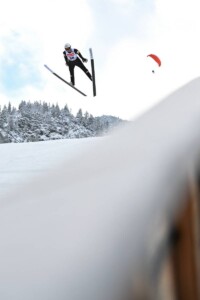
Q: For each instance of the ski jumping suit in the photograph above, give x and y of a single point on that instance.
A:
(72, 60)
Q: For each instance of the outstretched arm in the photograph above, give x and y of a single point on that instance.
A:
(81, 56)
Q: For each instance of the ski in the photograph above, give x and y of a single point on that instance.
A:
(64, 80)
(93, 72)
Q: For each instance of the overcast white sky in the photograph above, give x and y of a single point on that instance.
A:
(121, 33)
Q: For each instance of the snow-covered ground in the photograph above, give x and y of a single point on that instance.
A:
(20, 163)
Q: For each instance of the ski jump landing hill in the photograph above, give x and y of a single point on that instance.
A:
(122, 222)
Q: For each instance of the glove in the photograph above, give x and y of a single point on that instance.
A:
(85, 60)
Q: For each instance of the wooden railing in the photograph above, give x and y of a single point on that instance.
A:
(118, 222)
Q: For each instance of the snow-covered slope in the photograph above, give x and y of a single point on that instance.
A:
(20, 163)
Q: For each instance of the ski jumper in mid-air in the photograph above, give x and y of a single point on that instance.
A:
(71, 56)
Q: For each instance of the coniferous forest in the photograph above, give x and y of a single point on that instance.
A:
(40, 121)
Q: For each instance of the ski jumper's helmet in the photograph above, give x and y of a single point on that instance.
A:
(67, 45)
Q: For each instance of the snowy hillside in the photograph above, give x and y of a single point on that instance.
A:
(41, 122)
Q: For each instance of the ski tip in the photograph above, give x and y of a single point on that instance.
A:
(91, 53)
(48, 68)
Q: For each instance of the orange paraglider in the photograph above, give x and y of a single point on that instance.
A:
(156, 58)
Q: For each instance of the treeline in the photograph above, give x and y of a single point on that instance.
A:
(42, 121)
